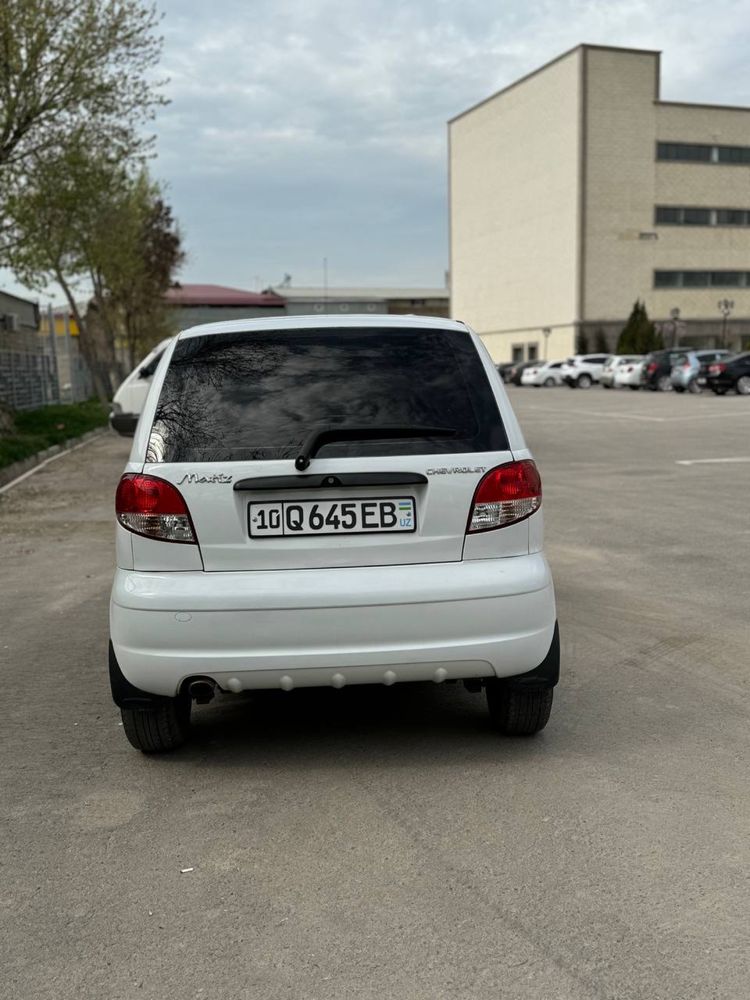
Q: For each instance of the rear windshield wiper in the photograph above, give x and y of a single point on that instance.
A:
(324, 435)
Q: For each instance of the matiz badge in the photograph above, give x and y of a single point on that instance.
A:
(193, 477)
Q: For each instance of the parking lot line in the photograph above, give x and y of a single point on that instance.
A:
(712, 461)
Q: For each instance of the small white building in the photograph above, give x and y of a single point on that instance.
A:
(577, 190)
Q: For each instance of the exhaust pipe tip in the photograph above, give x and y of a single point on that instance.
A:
(202, 691)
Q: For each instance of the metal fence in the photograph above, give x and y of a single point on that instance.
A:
(28, 379)
(36, 370)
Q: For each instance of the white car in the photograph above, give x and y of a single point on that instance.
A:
(546, 373)
(582, 370)
(630, 375)
(326, 501)
(128, 401)
(618, 369)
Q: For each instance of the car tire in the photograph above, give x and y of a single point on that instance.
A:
(549, 382)
(635, 388)
(159, 729)
(606, 385)
(695, 387)
(678, 388)
(742, 385)
(664, 383)
(515, 712)
(584, 381)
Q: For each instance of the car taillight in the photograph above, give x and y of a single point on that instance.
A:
(717, 369)
(153, 507)
(686, 367)
(505, 495)
(652, 367)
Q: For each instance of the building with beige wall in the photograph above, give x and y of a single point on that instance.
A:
(577, 190)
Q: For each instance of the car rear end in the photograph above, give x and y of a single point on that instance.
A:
(684, 371)
(318, 502)
(531, 376)
(628, 372)
(607, 377)
(730, 373)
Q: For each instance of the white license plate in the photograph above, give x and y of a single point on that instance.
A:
(332, 517)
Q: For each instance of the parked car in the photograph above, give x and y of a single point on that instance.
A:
(615, 366)
(293, 515)
(543, 373)
(734, 373)
(582, 370)
(690, 369)
(504, 369)
(515, 373)
(657, 368)
(128, 401)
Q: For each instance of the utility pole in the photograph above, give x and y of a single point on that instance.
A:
(546, 331)
(53, 345)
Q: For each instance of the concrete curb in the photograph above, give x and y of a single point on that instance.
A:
(11, 472)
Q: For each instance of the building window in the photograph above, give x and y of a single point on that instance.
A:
(701, 279)
(667, 216)
(674, 215)
(532, 352)
(727, 279)
(516, 352)
(688, 152)
(696, 279)
(734, 154)
(667, 279)
(695, 152)
(732, 217)
(696, 217)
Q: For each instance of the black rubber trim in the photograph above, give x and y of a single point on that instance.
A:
(127, 695)
(546, 675)
(124, 423)
(331, 481)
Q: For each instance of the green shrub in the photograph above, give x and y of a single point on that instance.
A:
(35, 430)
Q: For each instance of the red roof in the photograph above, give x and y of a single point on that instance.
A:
(219, 295)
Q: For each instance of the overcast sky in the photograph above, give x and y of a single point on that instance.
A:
(303, 129)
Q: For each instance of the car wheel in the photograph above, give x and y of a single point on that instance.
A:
(695, 387)
(664, 383)
(549, 381)
(742, 385)
(517, 712)
(584, 381)
(157, 730)
(606, 385)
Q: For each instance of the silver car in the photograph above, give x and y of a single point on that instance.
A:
(689, 370)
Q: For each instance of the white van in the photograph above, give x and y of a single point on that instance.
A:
(128, 401)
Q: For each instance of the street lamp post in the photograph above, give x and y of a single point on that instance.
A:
(674, 315)
(546, 331)
(725, 307)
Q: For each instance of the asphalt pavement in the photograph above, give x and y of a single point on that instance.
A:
(385, 843)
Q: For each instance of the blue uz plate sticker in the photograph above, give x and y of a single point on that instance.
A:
(343, 516)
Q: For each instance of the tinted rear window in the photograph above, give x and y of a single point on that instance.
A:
(258, 396)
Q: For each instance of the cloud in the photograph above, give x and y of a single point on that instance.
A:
(307, 128)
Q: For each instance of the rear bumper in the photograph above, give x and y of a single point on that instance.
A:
(478, 618)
